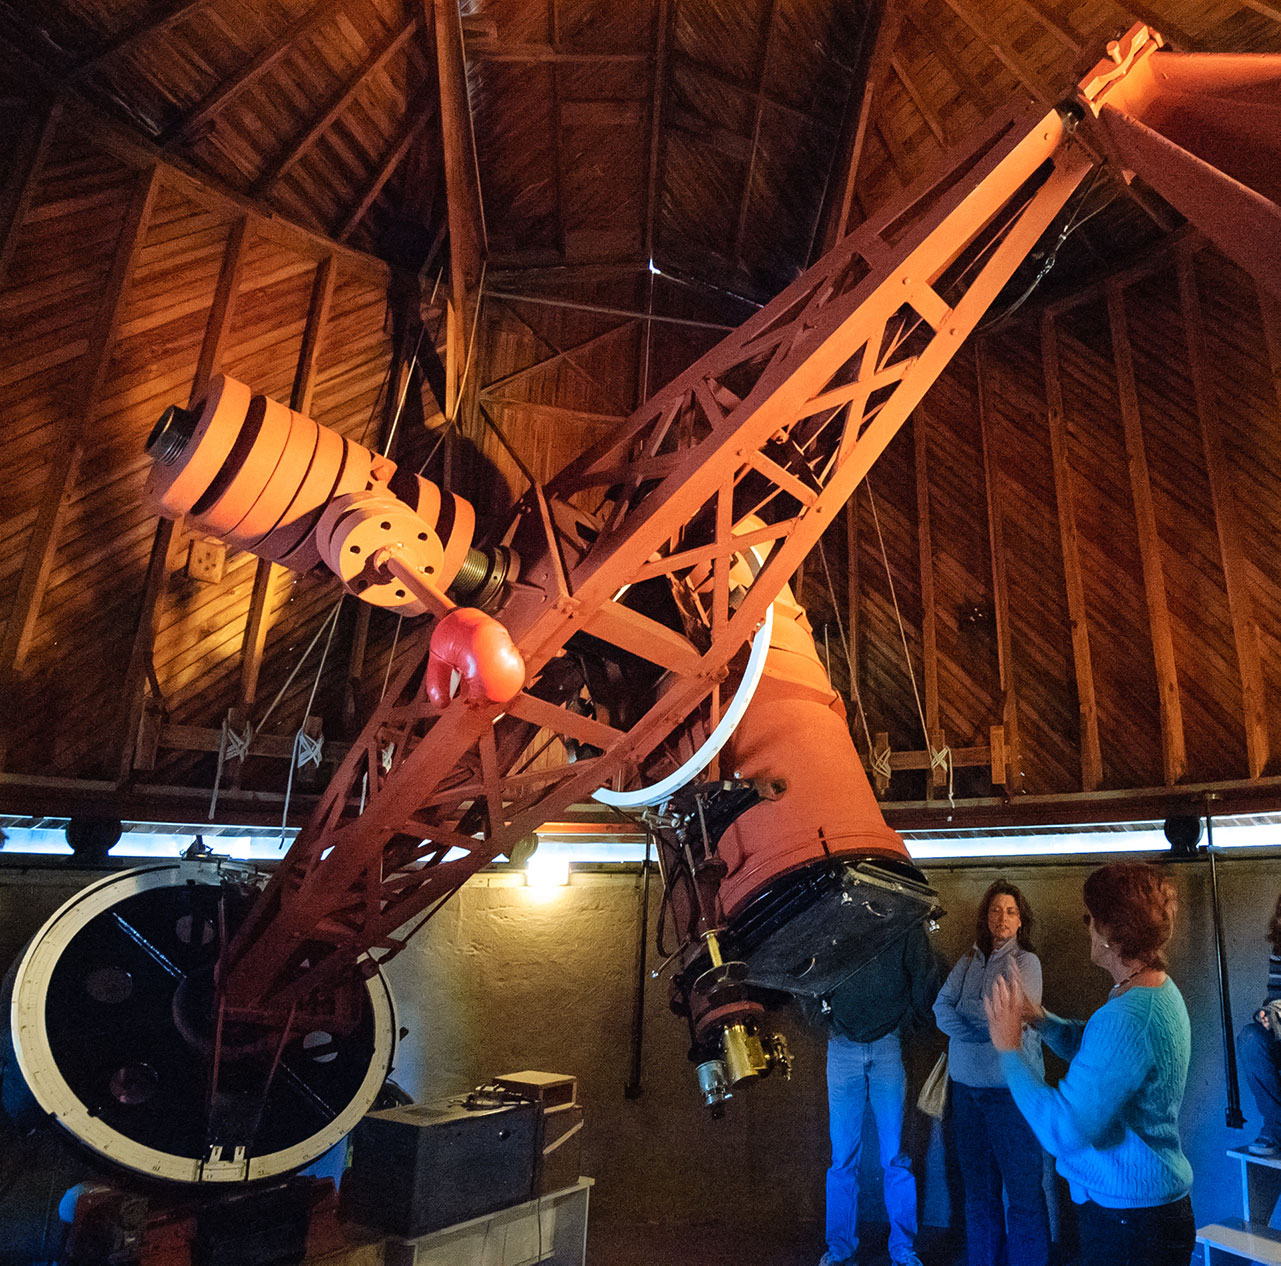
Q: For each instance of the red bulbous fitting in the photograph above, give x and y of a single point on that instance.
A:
(481, 651)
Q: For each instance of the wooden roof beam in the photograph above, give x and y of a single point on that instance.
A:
(1173, 749)
(558, 174)
(661, 18)
(545, 54)
(956, 69)
(1008, 58)
(1006, 676)
(24, 178)
(418, 116)
(1052, 23)
(258, 620)
(467, 242)
(1074, 581)
(1236, 575)
(879, 40)
(42, 546)
(337, 106)
(154, 21)
(217, 326)
(762, 69)
(818, 123)
(923, 107)
(226, 92)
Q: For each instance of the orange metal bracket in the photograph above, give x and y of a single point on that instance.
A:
(1204, 131)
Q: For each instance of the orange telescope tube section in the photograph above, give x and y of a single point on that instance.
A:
(794, 729)
(261, 476)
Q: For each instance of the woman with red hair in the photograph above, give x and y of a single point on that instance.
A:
(1112, 1122)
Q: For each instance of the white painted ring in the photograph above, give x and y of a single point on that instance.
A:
(657, 792)
(44, 1079)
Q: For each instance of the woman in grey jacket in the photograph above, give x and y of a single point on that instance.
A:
(994, 1144)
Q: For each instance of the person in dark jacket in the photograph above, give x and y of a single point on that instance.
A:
(868, 1014)
(1259, 1050)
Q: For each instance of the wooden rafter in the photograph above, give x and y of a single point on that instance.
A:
(1030, 80)
(337, 106)
(1074, 581)
(508, 380)
(543, 54)
(467, 245)
(1268, 9)
(1270, 316)
(153, 22)
(217, 326)
(1173, 750)
(758, 113)
(657, 88)
(65, 460)
(1236, 575)
(923, 107)
(1040, 13)
(558, 159)
(925, 550)
(853, 591)
(258, 621)
(1006, 676)
(973, 87)
(24, 178)
(879, 40)
(227, 91)
(717, 76)
(418, 115)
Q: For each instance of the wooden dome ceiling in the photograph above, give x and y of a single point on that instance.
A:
(220, 184)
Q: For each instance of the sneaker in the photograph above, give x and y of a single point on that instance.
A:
(908, 1259)
(828, 1260)
(1263, 1147)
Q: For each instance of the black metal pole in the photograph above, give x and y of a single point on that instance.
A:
(1235, 1118)
(632, 1088)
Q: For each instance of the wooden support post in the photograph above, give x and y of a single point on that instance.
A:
(1235, 572)
(1091, 755)
(158, 568)
(1012, 773)
(996, 745)
(1270, 314)
(64, 468)
(259, 618)
(929, 628)
(853, 587)
(1174, 756)
(24, 178)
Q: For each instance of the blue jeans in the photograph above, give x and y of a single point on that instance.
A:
(859, 1073)
(1260, 1056)
(995, 1145)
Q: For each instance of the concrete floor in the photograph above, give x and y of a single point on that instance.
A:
(718, 1244)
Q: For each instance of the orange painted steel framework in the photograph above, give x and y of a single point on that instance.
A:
(782, 419)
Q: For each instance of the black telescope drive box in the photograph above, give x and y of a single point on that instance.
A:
(429, 1165)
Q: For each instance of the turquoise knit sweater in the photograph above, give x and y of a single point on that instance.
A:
(1112, 1122)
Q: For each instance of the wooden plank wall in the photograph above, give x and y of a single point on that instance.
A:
(63, 707)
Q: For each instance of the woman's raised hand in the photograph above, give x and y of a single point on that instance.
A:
(1004, 1007)
(1031, 1012)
